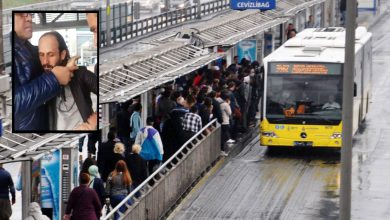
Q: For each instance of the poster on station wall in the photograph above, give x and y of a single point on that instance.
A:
(247, 49)
(50, 183)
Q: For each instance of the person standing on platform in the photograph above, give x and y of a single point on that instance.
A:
(151, 145)
(105, 155)
(83, 202)
(6, 187)
(122, 121)
(135, 124)
(137, 166)
(192, 123)
(119, 185)
(96, 183)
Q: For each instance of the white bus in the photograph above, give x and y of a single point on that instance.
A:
(304, 86)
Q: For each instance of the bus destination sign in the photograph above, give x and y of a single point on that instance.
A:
(306, 68)
(252, 4)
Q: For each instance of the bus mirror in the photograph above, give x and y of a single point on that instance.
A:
(354, 90)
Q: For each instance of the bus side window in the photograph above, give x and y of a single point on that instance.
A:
(354, 90)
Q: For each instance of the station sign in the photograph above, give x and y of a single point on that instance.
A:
(252, 4)
(305, 68)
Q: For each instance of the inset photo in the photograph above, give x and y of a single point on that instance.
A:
(54, 71)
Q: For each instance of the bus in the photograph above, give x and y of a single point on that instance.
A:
(304, 86)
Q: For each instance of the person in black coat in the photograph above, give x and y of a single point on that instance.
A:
(119, 154)
(122, 121)
(216, 110)
(74, 97)
(105, 154)
(136, 165)
(172, 131)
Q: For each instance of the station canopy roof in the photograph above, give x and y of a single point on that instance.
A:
(122, 80)
(28, 146)
(234, 26)
(131, 76)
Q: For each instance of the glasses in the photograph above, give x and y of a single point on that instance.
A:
(25, 15)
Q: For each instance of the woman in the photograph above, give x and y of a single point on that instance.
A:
(96, 182)
(83, 202)
(119, 185)
(137, 166)
(86, 164)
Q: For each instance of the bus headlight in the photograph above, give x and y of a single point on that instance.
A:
(269, 134)
(336, 135)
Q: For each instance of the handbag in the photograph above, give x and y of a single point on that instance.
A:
(237, 113)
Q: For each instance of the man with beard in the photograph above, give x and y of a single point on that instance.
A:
(72, 109)
(31, 88)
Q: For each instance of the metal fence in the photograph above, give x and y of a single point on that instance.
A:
(122, 26)
(51, 5)
(161, 190)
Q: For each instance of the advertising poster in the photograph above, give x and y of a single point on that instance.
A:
(75, 160)
(50, 183)
(247, 49)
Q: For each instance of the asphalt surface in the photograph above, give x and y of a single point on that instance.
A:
(305, 184)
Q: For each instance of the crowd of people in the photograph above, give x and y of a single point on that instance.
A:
(230, 94)
(134, 150)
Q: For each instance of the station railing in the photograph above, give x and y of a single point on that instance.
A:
(50, 5)
(123, 27)
(161, 190)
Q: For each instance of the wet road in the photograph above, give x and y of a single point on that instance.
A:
(371, 162)
(257, 184)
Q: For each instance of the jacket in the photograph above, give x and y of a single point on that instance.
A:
(137, 168)
(135, 124)
(6, 184)
(32, 88)
(82, 84)
(83, 203)
(35, 213)
(150, 141)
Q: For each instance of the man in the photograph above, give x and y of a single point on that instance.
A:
(32, 88)
(172, 131)
(6, 187)
(105, 154)
(192, 123)
(331, 104)
(234, 66)
(92, 23)
(151, 145)
(310, 22)
(122, 121)
(73, 106)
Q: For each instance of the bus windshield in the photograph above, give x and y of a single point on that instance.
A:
(304, 99)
